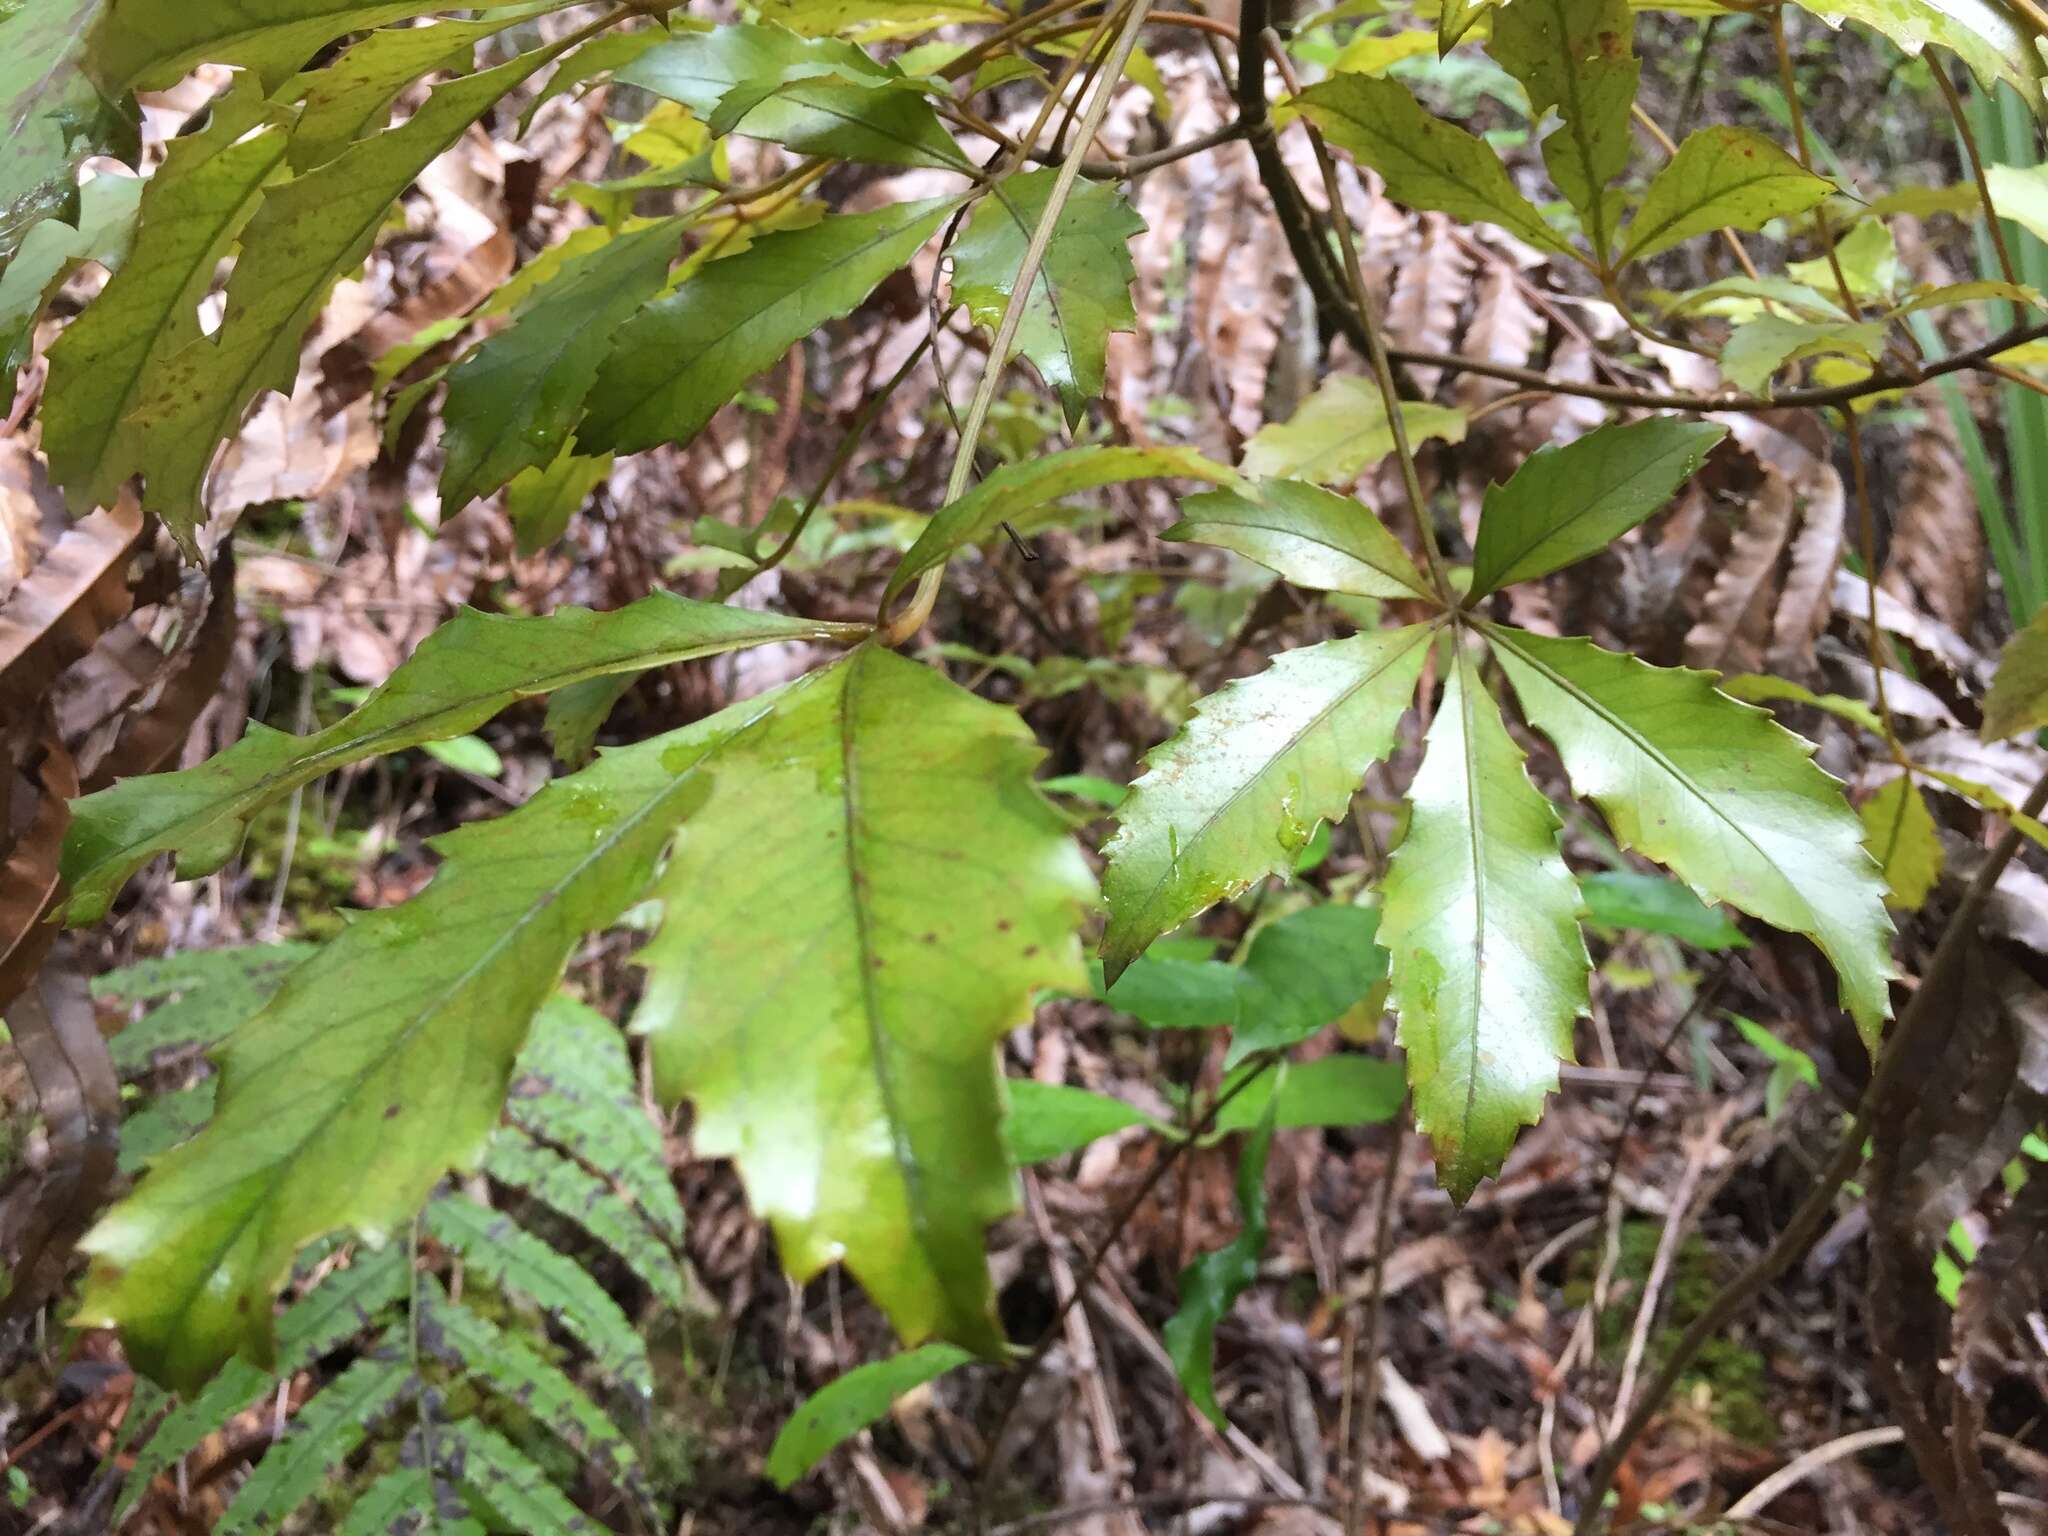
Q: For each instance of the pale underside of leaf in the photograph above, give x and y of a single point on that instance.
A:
(1718, 791)
(921, 890)
(1481, 919)
(1238, 793)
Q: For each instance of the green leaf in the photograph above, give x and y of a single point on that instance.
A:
(343, 1115)
(1013, 493)
(1313, 537)
(1083, 288)
(817, 96)
(2020, 193)
(1235, 796)
(1426, 162)
(1455, 18)
(513, 401)
(1167, 992)
(339, 1307)
(690, 351)
(49, 253)
(512, 1258)
(153, 43)
(1481, 918)
(56, 117)
(580, 1196)
(540, 501)
(874, 20)
(1575, 56)
(1718, 791)
(217, 989)
(1654, 904)
(394, 1502)
(101, 365)
(1306, 970)
(1374, 53)
(1758, 349)
(574, 1087)
(464, 673)
(345, 98)
(504, 1364)
(167, 1120)
(1985, 37)
(1210, 1286)
(307, 233)
(2018, 701)
(1721, 178)
(323, 1435)
(1340, 431)
(1331, 1091)
(1048, 1120)
(849, 1404)
(922, 890)
(1900, 832)
(1763, 688)
(1868, 257)
(495, 1473)
(1566, 503)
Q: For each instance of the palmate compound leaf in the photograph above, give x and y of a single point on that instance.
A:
(1313, 537)
(1237, 794)
(1481, 919)
(462, 675)
(1575, 56)
(383, 1062)
(206, 189)
(1082, 291)
(1014, 492)
(914, 890)
(1721, 178)
(1426, 162)
(687, 353)
(513, 401)
(1719, 792)
(1566, 503)
(305, 235)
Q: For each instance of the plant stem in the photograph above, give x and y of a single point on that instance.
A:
(1972, 153)
(907, 623)
(1821, 221)
(1375, 341)
(1930, 1004)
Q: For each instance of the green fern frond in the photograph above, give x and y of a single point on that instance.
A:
(344, 1304)
(148, 1134)
(214, 990)
(496, 1474)
(500, 1363)
(579, 1196)
(573, 1087)
(513, 1259)
(324, 1434)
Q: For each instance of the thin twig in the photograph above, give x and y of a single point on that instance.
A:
(1931, 1003)
(1972, 154)
(1375, 1307)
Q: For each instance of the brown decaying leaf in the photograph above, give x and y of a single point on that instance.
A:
(73, 596)
(152, 731)
(1937, 549)
(1429, 290)
(1505, 328)
(1734, 624)
(58, 1036)
(38, 812)
(32, 513)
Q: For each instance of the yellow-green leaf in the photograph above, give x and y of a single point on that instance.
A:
(916, 890)
(1313, 537)
(1341, 430)
(1238, 793)
(1721, 177)
(1481, 918)
(2018, 701)
(1899, 830)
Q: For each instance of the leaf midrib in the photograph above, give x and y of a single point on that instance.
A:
(1592, 705)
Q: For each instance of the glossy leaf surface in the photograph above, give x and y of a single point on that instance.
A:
(1721, 178)
(1236, 795)
(1313, 537)
(1481, 919)
(1566, 503)
(1721, 793)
